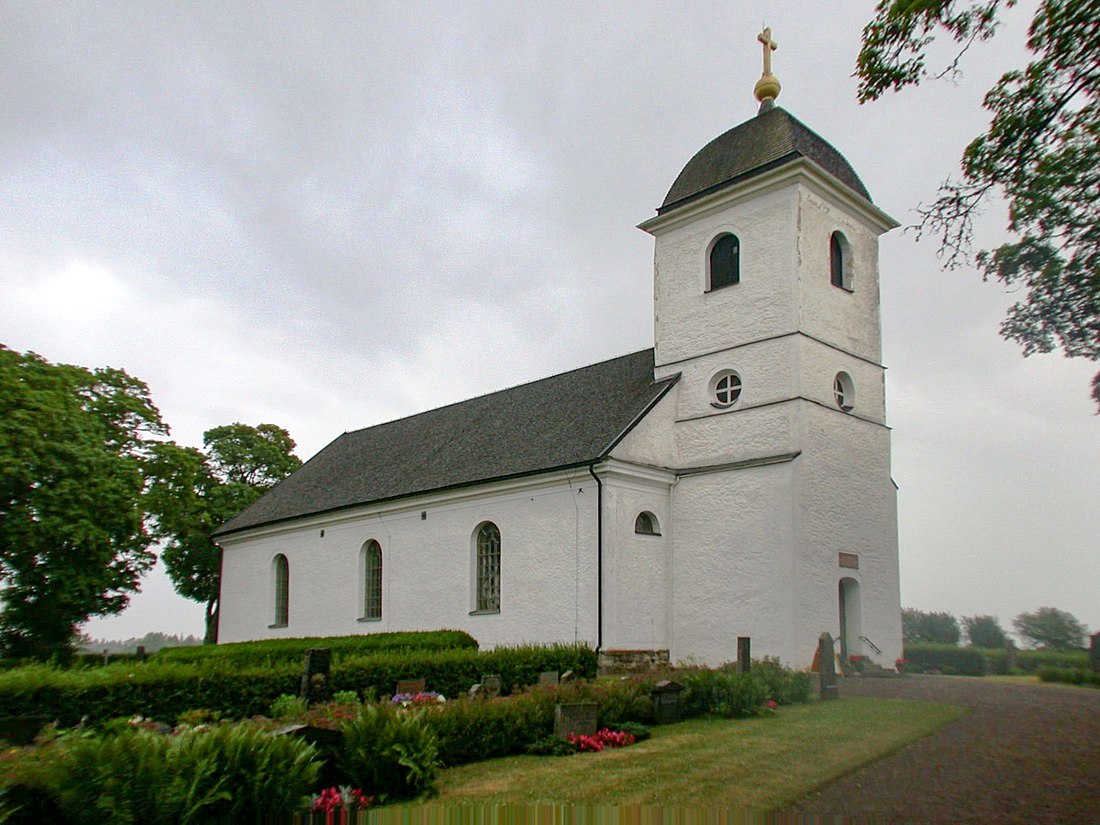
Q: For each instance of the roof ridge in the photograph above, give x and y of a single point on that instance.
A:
(490, 393)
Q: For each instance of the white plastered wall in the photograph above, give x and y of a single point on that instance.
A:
(548, 574)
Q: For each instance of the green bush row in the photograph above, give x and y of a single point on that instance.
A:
(290, 650)
(1069, 676)
(231, 773)
(165, 690)
(980, 661)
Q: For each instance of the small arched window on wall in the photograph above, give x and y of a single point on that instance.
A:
(372, 581)
(646, 524)
(840, 261)
(280, 571)
(487, 561)
(725, 262)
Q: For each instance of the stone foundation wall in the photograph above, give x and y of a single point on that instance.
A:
(632, 661)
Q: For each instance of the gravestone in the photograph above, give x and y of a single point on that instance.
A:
(576, 717)
(477, 692)
(826, 662)
(1010, 656)
(568, 676)
(316, 663)
(491, 683)
(744, 654)
(411, 686)
(21, 730)
(667, 707)
(141, 653)
(1094, 652)
(548, 678)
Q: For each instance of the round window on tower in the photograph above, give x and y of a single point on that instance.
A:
(844, 391)
(725, 389)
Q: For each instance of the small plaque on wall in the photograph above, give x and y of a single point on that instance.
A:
(850, 560)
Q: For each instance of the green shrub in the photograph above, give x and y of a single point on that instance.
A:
(551, 745)
(639, 731)
(451, 672)
(289, 651)
(390, 754)
(723, 693)
(785, 686)
(1069, 676)
(469, 731)
(1030, 661)
(287, 706)
(163, 691)
(231, 772)
(947, 659)
(345, 697)
(618, 700)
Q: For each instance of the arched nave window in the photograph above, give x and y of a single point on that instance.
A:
(487, 566)
(280, 570)
(372, 580)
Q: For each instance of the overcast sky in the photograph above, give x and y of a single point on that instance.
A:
(329, 215)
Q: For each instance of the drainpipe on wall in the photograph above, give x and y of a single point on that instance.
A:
(599, 558)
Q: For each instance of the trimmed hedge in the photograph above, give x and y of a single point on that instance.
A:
(980, 661)
(266, 651)
(163, 690)
(1069, 676)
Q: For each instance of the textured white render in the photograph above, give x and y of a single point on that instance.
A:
(754, 502)
(548, 575)
(772, 489)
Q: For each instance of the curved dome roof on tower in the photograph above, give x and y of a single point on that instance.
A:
(769, 140)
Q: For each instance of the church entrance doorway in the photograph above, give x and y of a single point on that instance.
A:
(851, 624)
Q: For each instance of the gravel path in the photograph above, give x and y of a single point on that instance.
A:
(1024, 754)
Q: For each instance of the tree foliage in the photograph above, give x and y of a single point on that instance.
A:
(984, 631)
(194, 492)
(1041, 152)
(934, 628)
(73, 455)
(1051, 628)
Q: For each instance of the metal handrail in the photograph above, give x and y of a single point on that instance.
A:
(878, 650)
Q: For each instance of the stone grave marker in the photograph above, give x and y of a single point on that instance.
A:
(411, 686)
(476, 692)
(568, 676)
(826, 661)
(744, 654)
(1094, 652)
(316, 663)
(575, 717)
(667, 707)
(548, 678)
(491, 683)
(1010, 656)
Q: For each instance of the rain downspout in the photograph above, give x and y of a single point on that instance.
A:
(599, 558)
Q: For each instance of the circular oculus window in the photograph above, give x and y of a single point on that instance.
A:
(725, 389)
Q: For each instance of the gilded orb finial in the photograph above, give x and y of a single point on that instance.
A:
(767, 87)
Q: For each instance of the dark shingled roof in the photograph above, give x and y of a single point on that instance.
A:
(770, 139)
(562, 421)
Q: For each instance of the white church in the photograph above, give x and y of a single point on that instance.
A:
(734, 480)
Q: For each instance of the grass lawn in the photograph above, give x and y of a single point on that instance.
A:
(761, 764)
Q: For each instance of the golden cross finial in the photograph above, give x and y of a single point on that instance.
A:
(767, 87)
(770, 46)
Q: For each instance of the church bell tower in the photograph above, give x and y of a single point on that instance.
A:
(766, 304)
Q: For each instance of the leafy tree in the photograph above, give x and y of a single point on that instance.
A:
(194, 492)
(936, 628)
(984, 631)
(1040, 152)
(1052, 628)
(72, 478)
